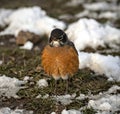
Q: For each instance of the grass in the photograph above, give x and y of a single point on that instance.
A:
(20, 63)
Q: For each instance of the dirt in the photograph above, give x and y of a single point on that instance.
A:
(19, 63)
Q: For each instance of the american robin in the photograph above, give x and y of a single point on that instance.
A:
(60, 57)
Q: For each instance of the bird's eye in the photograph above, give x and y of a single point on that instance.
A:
(60, 38)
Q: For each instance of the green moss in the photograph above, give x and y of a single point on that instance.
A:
(20, 63)
(89, 111)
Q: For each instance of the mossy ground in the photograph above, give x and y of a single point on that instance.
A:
(20, 63)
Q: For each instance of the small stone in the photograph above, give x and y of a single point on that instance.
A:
(24, 36)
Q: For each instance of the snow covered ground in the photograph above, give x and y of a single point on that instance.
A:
(32, 19)
(84, 33)
(101, 64)
(7, 110)
(104, 103)
(89, 33)
(10, 86)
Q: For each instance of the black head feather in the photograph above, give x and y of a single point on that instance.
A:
(58, 35)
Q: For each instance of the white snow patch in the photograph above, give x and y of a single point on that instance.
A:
(7, 110)
(4, 14)
(89, 33)
(113, 89)
(26, 78)
(74, 2)
(10, 86)
(1, 62)
(72, 111)
(106, 103)
(109, 15)
(42, 83)
(101, 6)
(87, 13)
(43, 97)
(28, 46)
(105, 106)
(81, 97)
(64, 99)
(53, 113)
(32, 19)
(108, 65)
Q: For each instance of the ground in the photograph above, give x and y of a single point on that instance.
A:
(20, 63)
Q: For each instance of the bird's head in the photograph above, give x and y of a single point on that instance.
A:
(58, 38)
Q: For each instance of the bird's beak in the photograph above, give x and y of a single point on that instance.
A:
(55, 43)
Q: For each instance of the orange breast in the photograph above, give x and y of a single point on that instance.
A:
(60, 61)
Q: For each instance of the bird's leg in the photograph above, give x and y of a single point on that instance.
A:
(67, 86)
(55, 90)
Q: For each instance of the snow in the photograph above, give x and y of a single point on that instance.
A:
(53, 113)
(109, 15)
(72, 111)
(74, 2)
(26, 78)
(114, 89)
(105, 106)
(42, 83)
(101, 64)
(81, 97)
(106, 102)
(7, 110)
(84, 33)
(87, 13)
(32, 19)
(28, 45)
(10, 86)
(91, 14)
(103, 103)
(101, 6)
(1, 62)
(89, 33)
(42, 96)
(64, 99)
(4, 14)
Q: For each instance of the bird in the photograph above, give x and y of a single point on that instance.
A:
(60, 57)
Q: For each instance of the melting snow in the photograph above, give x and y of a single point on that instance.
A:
(28, 45)
(104, 103)
(4, 13)
(70, 112)
(107, 103)
(109, 15)
(1, 62)
(42, 83)
(10, 86)
(101, 6)
(108, 65)
(32, 19)
(89, 33)
(74, 2)
(64, 99)
(7, 110)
